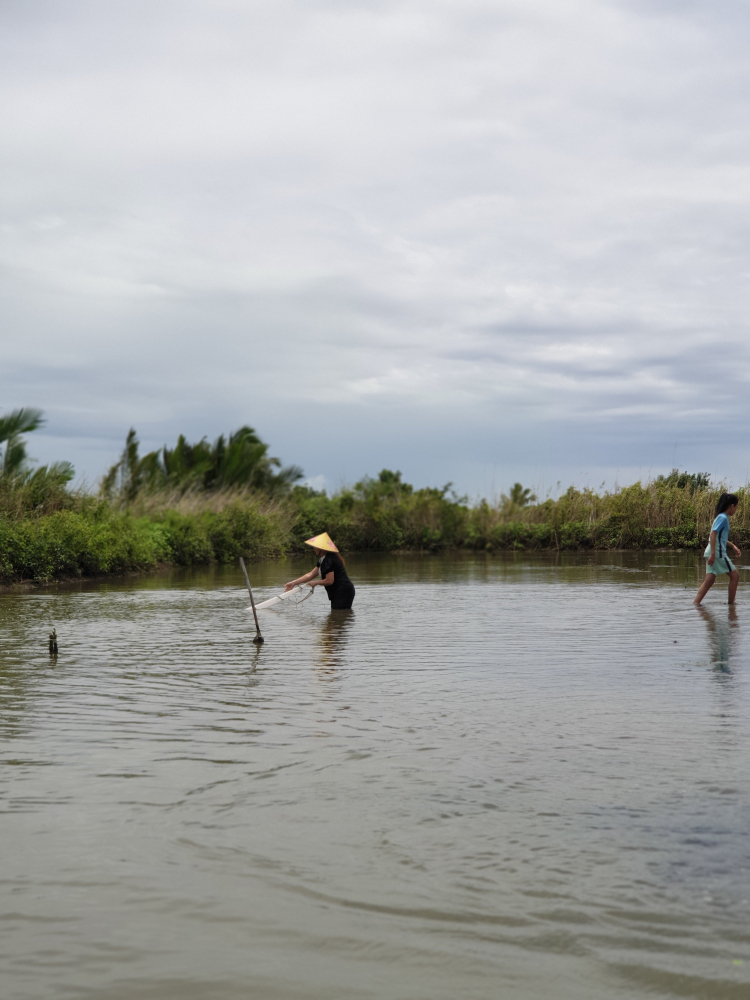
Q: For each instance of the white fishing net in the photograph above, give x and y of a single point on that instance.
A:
(291, 597)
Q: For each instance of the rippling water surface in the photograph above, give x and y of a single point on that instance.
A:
(495, 778)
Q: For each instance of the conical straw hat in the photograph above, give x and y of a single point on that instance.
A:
(322, 542)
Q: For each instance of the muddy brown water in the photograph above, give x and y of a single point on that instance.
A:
(507, 776)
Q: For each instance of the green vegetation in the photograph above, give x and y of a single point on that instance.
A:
(149, 512)
(388, 514)
(240, 461)
(197, 504)
(25, 491)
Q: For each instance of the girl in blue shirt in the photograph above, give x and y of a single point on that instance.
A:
(717, 560)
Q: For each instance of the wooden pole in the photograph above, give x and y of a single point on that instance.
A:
(258, 640)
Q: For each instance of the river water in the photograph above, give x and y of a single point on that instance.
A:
(498, 776)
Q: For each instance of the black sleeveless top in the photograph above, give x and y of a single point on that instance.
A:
(341, 582)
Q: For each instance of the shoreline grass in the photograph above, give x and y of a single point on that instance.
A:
(75, 535)
(200, 504)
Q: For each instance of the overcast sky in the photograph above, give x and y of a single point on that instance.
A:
(475, 240)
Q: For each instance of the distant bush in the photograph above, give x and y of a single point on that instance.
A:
(673, 511)
(100, 541)
(694, 481)
(199, 504)
(382, 514)
(72, 544)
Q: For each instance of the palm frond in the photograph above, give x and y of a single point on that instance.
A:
(21, 421)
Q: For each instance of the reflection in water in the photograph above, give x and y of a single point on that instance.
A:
(254, 658)
(186, 815)
(14, 683)
(723, 635)
(333, 635)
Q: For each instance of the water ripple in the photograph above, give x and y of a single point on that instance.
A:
(511, 778)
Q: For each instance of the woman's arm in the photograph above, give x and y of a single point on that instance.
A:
(326, 582)
(711, 558)
(736, 549)
(303, 579)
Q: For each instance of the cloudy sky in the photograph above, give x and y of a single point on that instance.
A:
(475, 240)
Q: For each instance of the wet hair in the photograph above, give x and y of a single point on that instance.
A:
(725, 502)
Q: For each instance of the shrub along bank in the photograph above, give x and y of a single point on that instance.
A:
(88, 536)
(197, 504)
(674, 511)
(97, 540)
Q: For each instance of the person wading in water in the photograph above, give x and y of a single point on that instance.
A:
(332, 572)
(716, 555)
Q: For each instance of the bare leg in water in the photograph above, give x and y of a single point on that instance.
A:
(734, 579)
(706, 586)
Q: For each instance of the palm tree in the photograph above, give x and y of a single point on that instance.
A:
(23, 489)
(242, 460)
(126, 476)
(519, 498)
(12, 426)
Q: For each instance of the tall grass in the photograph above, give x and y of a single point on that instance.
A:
(91, 537)
(48, 532)
(654, 515)
(38, 494)
(200, 503)
(386, 514)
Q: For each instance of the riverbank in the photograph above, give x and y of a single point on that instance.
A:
(87, 537)
(99, 541)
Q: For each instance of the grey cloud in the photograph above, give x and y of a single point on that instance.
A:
(468, 236)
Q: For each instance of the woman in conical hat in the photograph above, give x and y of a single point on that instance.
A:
(331, 571)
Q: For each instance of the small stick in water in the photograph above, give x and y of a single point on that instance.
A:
(53, 642)
(258, 640)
